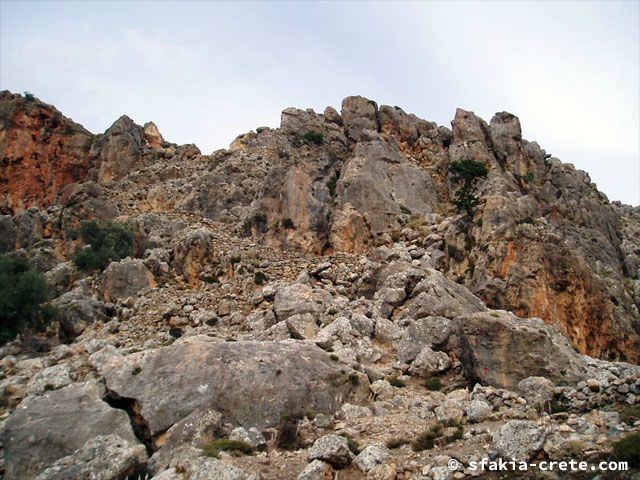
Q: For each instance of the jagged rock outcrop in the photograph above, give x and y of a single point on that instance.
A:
(308, 283)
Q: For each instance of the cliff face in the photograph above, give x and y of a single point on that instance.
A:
(41, 152)
(542, 242)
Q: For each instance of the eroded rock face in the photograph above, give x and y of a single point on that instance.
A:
(47, 428)
(41, 152)
(250, 383)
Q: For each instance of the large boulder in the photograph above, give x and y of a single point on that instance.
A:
(300, 299)
(333, 449)
(125, 278)
(55, 425)
(77, 309)
(500, 349)
(250, 383)
(519, 440)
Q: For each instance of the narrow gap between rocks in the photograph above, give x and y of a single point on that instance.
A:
(132, 408)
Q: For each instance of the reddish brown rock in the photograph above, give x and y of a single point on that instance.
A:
(41, 151)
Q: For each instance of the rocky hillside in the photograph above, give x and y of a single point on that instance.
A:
(312, 288)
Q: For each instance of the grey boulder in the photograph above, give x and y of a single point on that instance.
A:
(106, 457)
(250, 383)
(55, 425)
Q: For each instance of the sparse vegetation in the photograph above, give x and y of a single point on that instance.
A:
(529, 176)
(259, 278)
(29, 96)
(397, 382)
(23, 296)
(288, 224)
(454, 253)
(104, 242)
(397, 442)
(136, 371)
(287, 436)
(313, 137)
(332, 183)
(354, 446)
(426, 440)
(433, 384)
(466, 173)
(628, 449)
(631, 414)
(354, 379)
(235, 447)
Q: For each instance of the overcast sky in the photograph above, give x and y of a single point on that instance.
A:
(205, 72)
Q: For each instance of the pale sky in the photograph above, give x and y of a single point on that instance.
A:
(207, 71)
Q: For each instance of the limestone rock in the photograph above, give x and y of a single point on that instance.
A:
(332, 449)
(501, 350)
(251, 383)
(519, 439)
(317, 470)
(106, 457)
(55, 425)
(429, 363)
(125, 278)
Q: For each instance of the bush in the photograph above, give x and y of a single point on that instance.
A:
(29, 96)
(105, 242)
(425, 441)
(332, 183)
(396, 382)
(397, 442)
(23, 293)
(235, 447)
(313, 136)
(259, 278)
(433, 384)
(287, 436)
(628, 450)
(288, 223)
(467, 173)
(630, 415)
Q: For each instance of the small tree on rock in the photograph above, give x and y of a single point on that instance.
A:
(466, 173)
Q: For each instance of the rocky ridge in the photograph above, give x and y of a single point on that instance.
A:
(370, 285)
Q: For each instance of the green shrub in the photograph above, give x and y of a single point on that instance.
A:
(630, 415)
(259, 278)
(529, 176)
(104, 242)
(29, 96)
(628, 450)
(396, 382)
(433, 384)
(23, 293)
(332, 183)
(235, 447)
(313, 136)
(466, 173)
